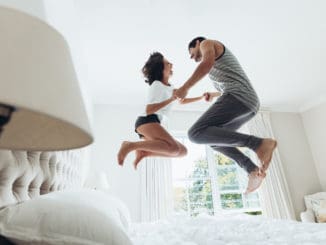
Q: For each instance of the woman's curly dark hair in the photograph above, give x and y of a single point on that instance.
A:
(153, 68)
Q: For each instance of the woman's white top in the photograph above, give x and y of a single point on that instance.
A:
(159, 92)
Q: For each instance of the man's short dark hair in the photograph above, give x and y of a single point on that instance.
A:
(193, 42)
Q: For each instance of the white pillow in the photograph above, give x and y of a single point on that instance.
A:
(319, 208)
(67, 217)
(309, 199)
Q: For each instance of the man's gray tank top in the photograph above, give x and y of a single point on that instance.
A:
(229, 77)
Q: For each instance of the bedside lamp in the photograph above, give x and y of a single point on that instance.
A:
(41, 104)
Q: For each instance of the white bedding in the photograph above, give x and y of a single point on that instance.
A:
(227, 229)
(81, 217)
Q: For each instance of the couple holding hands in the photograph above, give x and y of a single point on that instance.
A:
(237, 102)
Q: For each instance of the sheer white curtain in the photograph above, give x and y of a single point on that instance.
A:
(156, 188)
(274, 192)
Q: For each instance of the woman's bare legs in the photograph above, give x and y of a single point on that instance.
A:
(158, 141)
(141, 154)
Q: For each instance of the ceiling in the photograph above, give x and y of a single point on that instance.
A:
(280, 44)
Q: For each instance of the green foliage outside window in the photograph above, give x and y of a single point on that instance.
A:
(231, 201)
(200, 189)
(197, 198)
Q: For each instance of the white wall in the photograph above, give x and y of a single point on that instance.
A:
(32, 7)
(296, 156)
(63, 16)
(314, 121)
(112, 125)
(181, 121)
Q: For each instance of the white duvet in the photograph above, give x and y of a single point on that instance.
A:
(227, 229)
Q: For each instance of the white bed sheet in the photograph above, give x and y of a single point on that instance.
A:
(227, 229)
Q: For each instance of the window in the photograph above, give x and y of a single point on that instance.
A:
(206, 181)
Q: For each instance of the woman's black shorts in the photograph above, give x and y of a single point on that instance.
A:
(152, 118)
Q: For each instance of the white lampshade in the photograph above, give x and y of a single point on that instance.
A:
(38, 81)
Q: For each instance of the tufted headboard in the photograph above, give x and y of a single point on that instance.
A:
(25, 175)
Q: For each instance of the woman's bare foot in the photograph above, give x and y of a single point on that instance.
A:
(261, 173)
(123, 152)
(265, 152)
(139, 156)
(255, 178)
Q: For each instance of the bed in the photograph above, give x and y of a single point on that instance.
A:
(227, 229)
(42, 201)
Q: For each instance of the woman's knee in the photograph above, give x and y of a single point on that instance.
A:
(177, 149)
(173, 148)
(182, 151)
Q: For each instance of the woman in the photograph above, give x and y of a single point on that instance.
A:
(157, 141)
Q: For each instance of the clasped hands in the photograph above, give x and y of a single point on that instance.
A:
(181, 93)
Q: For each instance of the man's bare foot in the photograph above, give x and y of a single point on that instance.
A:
(255, 179)
(139, 156)
(265, 152)
(123, 152)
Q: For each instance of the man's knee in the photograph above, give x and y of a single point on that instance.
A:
(194, 135)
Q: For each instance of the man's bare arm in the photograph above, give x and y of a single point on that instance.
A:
(208, 52)
(210, 95)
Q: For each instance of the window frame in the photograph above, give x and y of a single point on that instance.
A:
(213, 178)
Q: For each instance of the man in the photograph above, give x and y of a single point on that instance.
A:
(237, 105)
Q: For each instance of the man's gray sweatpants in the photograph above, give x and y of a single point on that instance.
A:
(217, 128)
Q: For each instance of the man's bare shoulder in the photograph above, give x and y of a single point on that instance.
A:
(207, 42)
(210, 44)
